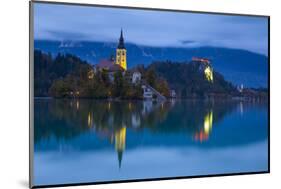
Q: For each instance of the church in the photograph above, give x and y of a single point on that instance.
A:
(120, 62)
(112, 65)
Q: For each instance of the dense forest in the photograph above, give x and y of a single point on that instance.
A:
(188, 80)
(48, 70)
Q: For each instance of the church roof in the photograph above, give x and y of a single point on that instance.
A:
(104, 64)
(109, 65)
(115, 67)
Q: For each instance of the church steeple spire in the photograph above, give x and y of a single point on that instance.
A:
(121, 41)
(121, 36)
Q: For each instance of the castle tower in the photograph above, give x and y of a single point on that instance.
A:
(121, 53)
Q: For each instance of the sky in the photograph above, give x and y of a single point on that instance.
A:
(150, 27)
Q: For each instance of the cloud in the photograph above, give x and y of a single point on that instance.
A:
(150, 28)
(65, 35)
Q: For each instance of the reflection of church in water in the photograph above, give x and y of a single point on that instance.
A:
(117, 133)
(120, 142)
(118, 137)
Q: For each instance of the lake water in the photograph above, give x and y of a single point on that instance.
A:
(80, 141)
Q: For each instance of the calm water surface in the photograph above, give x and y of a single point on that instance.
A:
(90, 141)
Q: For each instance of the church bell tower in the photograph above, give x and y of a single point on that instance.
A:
(121, 53)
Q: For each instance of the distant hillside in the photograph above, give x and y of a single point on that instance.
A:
(237, 66)
(188, 79)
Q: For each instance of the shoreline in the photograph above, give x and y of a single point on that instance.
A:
(234, 98)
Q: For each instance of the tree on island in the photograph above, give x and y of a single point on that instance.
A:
(150, 77)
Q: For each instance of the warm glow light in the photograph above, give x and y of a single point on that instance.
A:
(89, 119)
(204, 133)
(201, 136)
(120, 139)
(208, 122)
(209, 74)
(91, 74)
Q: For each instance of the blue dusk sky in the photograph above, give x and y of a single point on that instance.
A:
(150, 28)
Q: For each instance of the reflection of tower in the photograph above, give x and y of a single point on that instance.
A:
(121, 53)
(120, 141)
(208, 124)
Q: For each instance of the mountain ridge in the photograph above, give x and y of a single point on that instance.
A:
(236, 65)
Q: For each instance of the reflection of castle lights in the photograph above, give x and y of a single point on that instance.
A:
(209, 74)
(120, 141)
(109, 105)
(208, 122)
(90, 120)
(203, 135)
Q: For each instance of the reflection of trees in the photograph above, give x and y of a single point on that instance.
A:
(58, 118)
(69, 118)
(65, 119)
